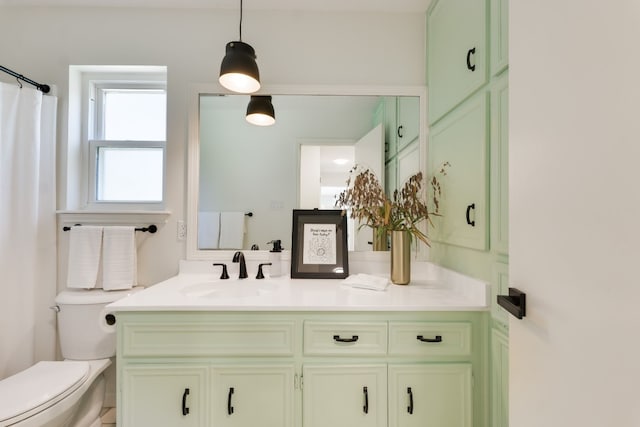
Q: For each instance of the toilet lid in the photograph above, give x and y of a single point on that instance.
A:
(39, 387)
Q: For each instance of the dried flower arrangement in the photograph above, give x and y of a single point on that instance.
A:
(407, 208)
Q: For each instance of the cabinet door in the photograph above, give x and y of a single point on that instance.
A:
(456, 53)
(390, 126)
(164, 395)
(461, 139)
(408, 120)
(500, 165)
(252, 396)
(499, 378)
(344, 396)
(430, 395)
(499, 36)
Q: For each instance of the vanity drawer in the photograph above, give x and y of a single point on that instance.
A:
(345, 338)
(430, 338)
(208, 339)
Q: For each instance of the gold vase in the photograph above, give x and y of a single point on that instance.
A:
(380, 241)
(400, 257)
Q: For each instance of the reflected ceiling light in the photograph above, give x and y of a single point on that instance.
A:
(340, 161)
(260, 111)
(239, 71)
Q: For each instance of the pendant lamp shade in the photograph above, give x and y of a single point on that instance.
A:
(239, 71)
(260, 111)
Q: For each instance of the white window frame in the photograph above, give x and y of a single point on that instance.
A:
(95, 86)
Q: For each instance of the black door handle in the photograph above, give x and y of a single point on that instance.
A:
(471, 66)
(366, 400)
(421, 338)
(229, 406)
(469, 221)
(337, 338)
(185, 410)
(410, 407)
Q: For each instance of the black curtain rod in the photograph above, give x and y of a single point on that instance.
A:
(150, 229)
(40, 87)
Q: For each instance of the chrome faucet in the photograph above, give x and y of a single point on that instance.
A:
(239, 257)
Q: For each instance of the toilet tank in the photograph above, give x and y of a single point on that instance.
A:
(83, 329)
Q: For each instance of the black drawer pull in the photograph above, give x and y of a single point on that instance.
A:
(468, 214)
(229, 406)
(421, 338)
(471, 66)
(410, 407)
(400, 132)
(366, 400)
(185, 410)
(337, 338)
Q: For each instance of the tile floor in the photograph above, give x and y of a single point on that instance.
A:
(108, 417)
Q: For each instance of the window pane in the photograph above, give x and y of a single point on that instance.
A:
(129, 174)
(135, 115)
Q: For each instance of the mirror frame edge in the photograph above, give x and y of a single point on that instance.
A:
(193, 158)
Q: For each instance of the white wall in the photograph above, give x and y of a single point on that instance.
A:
(575, 205)
(292, 47)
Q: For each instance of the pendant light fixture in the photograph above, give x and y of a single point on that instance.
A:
(260, 111)
(239, 71)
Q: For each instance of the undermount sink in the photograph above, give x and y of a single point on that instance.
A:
(230, 289)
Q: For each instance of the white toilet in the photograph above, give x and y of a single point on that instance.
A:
(70, 392)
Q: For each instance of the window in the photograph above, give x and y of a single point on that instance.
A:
(126, 139)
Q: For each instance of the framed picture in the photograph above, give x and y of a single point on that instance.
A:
(319, 244)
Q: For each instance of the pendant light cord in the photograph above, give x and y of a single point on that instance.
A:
(240, 20)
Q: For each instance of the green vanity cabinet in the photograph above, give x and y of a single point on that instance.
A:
(348, 395)
(461, 139)
(499, 377)
(457, 53)
(164, 394)
(249, 395)
(430, 395)
(308, 369)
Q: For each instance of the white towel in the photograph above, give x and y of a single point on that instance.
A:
(119, 260)
(208, 230)
(366, 281)
(231, 230)
(85, 244)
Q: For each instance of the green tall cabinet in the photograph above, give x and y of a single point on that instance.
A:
(457, 53)
(467, 79)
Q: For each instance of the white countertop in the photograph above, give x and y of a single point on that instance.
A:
(439, 290)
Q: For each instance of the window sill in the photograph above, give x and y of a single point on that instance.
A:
(137, 218)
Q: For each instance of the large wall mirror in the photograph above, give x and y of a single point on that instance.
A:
(245, 180)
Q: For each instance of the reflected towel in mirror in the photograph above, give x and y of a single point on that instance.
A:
(232, 229)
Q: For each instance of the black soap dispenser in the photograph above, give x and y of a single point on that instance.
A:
(275, 258)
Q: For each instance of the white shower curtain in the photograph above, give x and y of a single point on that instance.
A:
(27, 227)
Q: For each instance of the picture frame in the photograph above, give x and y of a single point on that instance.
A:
(319, 244)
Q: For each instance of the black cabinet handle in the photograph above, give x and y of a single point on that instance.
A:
(471, 66)
(400, 133)
(337, 338)
(229, 406)
(366, 400)
(421, 338)
(469, 221)
(410, 407)
(185, 410)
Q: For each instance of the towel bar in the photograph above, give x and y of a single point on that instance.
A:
(150, 229)
(515, 303)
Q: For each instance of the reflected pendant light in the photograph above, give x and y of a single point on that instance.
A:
(260, 111)
(239, 71)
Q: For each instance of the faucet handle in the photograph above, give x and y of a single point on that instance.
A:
(260, 275)
(225, 274)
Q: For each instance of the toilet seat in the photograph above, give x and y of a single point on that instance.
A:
(38, 387)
